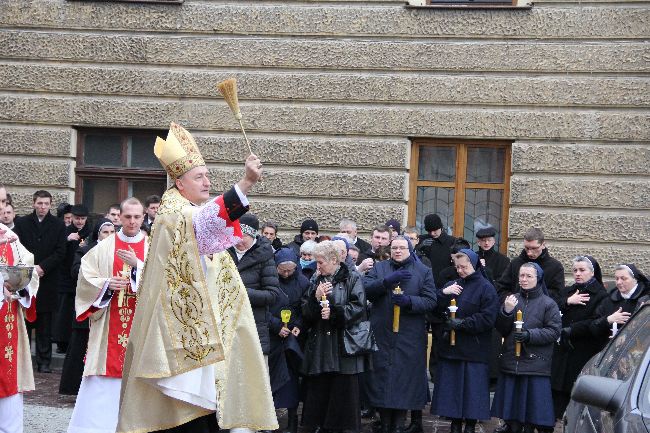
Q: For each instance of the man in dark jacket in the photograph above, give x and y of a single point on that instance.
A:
(534, 251)
(256, 265)
(308, 231)
(44, 236)
(494, 262)
(77, 234)
(350, 227)
(436, 244)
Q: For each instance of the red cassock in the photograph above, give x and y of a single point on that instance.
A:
(9, 335)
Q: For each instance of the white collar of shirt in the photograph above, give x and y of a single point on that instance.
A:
(130, 239)
(240, 254)
(630, 293)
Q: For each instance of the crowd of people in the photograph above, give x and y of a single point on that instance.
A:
(343, 325)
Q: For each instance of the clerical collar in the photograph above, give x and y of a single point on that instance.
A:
(629, 294)
(130, 239)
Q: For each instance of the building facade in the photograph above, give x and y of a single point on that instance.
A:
(509, 115)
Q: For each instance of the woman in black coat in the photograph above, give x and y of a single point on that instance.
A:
(523, 396)
(332, 391)
(615, 310)
(253, 256)
(462, 379)
(286, 356)
(576, 345)
(398, 381)
(73, 365)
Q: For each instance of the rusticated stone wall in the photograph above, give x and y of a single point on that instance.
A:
(332, 92)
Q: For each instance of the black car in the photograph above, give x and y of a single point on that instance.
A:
(612, 393)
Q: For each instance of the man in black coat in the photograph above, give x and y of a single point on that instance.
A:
(494, 262)
(534, 251)
(256, 264)
(77, 234)
(308, 231)
(350, 227)
(436, 244)
(44, 236)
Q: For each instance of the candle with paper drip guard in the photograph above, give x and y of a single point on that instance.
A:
(396, 310)
(452, 313)
(126, 274)
(614, 329)
(285, 315)
(324, 302)
(519, 323)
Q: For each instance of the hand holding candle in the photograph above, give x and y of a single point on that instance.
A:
(396, 310)
(519, 323)
(452, 313)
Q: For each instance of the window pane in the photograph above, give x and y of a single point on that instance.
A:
(140, 152)
(99, 194)
(482, 208)
(485, 164)
(103, 150)
(435, 200)
(437, 164)
(142, 189)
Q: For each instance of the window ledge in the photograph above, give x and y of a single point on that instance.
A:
(474, 6)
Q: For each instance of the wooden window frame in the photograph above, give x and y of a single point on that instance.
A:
(460, 184)
(122, 174)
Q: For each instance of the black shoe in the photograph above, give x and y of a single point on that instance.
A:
(416, 424)
(44, 369)
(292, 424)
(528, 428)
(470, 428)
(456, 426)
(503, 428)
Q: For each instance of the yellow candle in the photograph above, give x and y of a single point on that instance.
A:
(452, 334)
(286, 316)
(125, 274)
(396, 310)
(518, 325)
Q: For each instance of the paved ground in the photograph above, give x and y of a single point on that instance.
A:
(46, 411)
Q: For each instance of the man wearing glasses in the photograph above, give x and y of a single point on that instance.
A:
(534, 251)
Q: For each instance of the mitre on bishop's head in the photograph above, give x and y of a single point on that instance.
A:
(179, 153)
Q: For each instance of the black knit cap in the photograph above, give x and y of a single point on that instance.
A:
(432, 222)
(79, 210)
(250, 220)
(487, 232)
(308, 225)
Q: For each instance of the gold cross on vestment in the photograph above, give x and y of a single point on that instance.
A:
(9, 353)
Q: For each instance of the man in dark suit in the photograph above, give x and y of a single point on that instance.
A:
(44, 236)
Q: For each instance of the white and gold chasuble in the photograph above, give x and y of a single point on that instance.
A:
(193, 321)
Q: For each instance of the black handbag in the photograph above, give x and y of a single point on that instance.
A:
(359, 339)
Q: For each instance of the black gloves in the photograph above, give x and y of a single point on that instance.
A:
(523, 336)
(455, 324)
(395, 277)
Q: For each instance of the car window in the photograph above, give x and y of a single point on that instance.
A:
(644, 396)
(625, 352)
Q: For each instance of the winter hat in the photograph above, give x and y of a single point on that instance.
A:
(249, 224)
(345, 241)
(432, 222)
(487, 232)
(79, 210)
(308, 225)
(394, 224)
(284, 255)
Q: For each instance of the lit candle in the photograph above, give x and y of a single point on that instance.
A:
(324, 302)
(519, 323)
(286, 316)
(396, 310)
(452, 313)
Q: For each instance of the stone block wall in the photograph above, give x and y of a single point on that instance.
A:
(332, 94)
